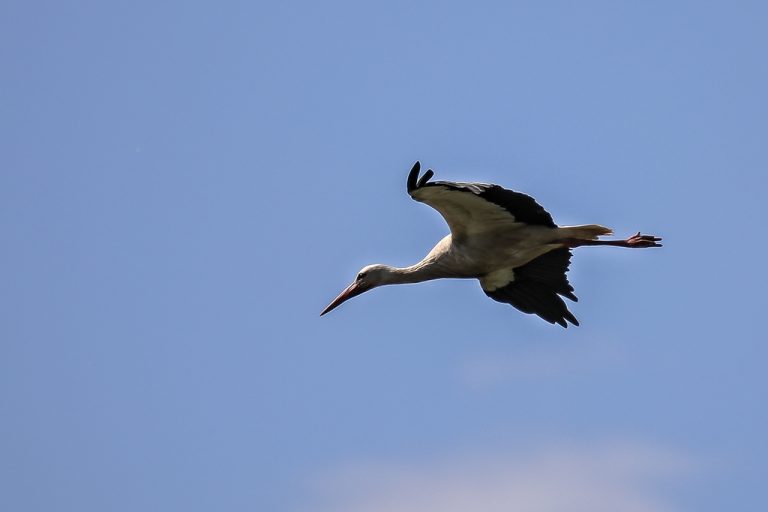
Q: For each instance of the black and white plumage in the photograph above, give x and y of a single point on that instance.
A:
(504, 239)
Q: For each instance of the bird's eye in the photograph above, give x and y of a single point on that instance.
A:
(361, 276)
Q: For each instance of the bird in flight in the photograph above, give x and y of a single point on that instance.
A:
(504, 239)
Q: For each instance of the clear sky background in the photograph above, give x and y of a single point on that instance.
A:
(184, 186)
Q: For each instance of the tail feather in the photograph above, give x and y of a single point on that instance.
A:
(586, 232)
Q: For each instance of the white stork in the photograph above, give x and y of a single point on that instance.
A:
(500, 237)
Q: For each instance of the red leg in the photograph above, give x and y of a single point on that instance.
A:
(636, 241)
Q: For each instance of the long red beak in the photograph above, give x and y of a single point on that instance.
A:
(352, 290)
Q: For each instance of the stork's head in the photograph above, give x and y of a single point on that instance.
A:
(368, 278)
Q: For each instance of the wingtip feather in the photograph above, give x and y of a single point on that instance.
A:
(424, 179)
(413, 177)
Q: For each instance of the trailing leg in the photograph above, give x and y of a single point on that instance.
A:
(636, 241)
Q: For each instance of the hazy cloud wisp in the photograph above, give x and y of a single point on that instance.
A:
(619, 477)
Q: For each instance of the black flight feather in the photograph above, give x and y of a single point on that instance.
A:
(424, 179)
(537, 286)
(413, 176)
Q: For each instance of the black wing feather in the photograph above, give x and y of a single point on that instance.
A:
(537, 287)
(522, 206)
(413, 177)
(424, 179)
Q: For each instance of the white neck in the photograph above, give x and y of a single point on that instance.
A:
(421, 271)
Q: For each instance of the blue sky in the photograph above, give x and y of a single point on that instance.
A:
(184, 187)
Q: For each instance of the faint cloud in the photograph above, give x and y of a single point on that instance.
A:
(619, 477)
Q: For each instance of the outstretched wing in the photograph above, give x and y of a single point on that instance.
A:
(475, 207)
(536, 287)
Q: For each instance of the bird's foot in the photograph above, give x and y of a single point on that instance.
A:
(638, 241)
